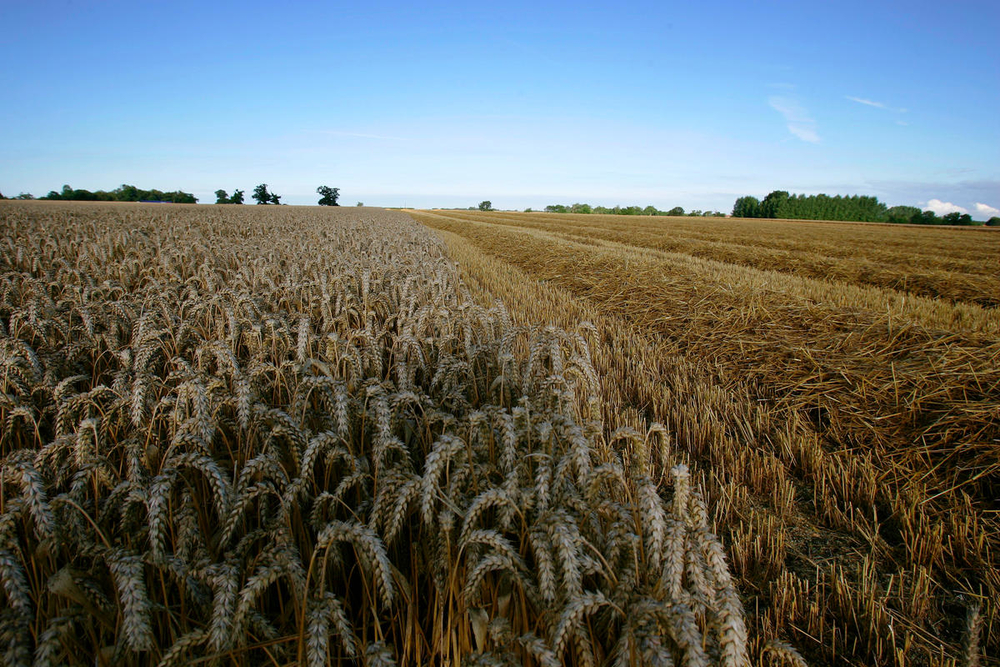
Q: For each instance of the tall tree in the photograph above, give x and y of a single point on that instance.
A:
(746, 207)
(237, 197)
(486, 205)
(221, 197)
(261, 194)
(901, 213)
(275, 199)
(126, 192)
(774, 204)
(328, 196)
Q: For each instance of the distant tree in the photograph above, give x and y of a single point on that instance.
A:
(556, 208)
(261, 194)
(528, 210)
(1, 196)
(275, 199)
(901, 213)
(360, 203)
(993, 222)
(650, 210)
(23, 195)
(65, 193)
(126, 192)
(676, 210)
(746, 207)
(695, 213)
(82, 195)
(180, 197)
(237, 197)
(221, 197)
(328, 196)
(774, 205)
(123, 193)
(925, 218)
(956, 218)
(581, 208)
(486, 205)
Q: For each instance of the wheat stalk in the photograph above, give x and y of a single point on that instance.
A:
(127, 569)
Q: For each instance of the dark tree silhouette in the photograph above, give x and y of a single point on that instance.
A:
(261, 194)
(328, 196)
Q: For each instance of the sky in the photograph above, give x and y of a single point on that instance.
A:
(444, 104)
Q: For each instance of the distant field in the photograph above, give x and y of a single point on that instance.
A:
(836, 386)
(957, 264)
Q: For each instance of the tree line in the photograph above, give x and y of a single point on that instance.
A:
(328, 195)
(779, 204)
(857, 208)
(121, 193)
(623, 210)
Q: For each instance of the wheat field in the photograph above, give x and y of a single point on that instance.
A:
(304, 436)
(834, 387)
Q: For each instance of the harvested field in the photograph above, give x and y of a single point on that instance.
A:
(959, 265)
(276, 435)
(835, 386)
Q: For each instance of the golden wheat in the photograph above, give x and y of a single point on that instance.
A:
(292, 436)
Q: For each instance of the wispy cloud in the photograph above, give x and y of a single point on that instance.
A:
(873, 103)
(943, 207)
(800, 123)
(986, 209)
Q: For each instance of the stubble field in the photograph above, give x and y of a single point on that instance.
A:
(279, 435)
(835, 386)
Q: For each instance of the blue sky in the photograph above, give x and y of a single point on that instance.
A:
(524, 104)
